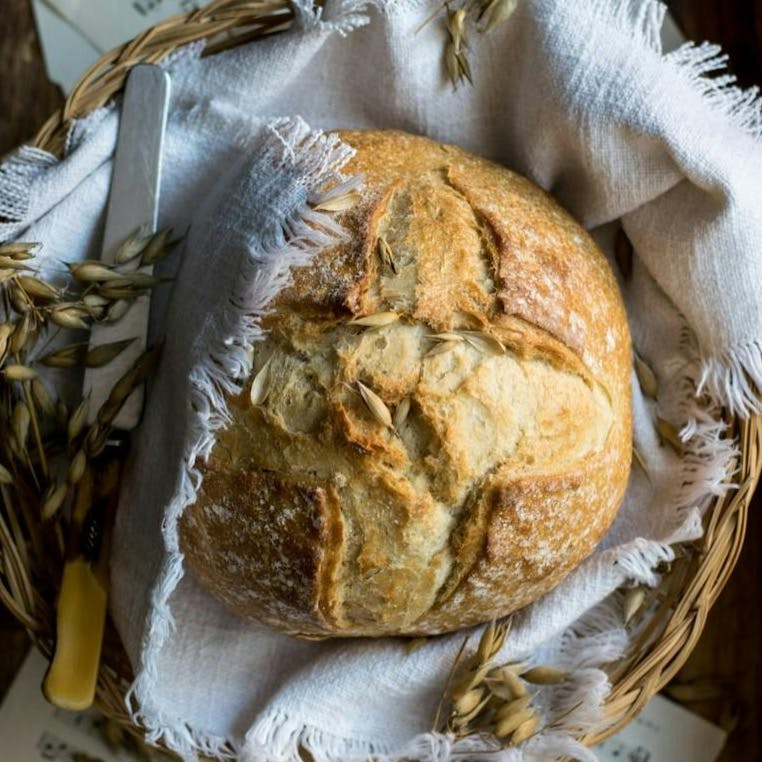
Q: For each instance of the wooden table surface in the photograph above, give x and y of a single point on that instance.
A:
(730, 650)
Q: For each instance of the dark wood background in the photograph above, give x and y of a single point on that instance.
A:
(730, 650)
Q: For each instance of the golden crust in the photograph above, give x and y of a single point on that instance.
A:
(316, 518)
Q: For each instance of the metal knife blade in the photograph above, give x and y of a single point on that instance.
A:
(133, 204)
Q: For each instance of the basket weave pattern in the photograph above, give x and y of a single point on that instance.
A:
(689, 589)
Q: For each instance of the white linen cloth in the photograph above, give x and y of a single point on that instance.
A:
(578, 96)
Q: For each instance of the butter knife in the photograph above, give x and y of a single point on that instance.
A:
(132, 205)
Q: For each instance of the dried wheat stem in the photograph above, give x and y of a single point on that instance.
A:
(14, 566)
(36, 429)
(20, 546)
(448, 682)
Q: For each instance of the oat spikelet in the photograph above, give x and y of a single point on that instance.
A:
(512, 708)
(93, 271)
(131, 281)
(77, 420)
(62, 413)
(53, 500)
(104, 354)
(70, 317)
(483, 342)
(37, 288)
(77, 467)
(492, 640)
(633, 600)
(117, 310)
(158, 247)
(456, 62)
(646, 378)
(376, 405)
(669, 434)
(441, 348)
(6, 477)
(17, 249)
(113, 293)
(42, 398)
(377, 320)
(508, 725)
(526, 730)
(386, 254)
(95, 441)
(461, 722)
(94, 301)
(414, 644)
(468, 702)
(19, 373)
(260, 385)
(544, 675)
(18, 298)
(6, 329)
(464, 67)
(641, 462)
(20, 421)
(505, 683)
(401, 412)
(13, 265)
(456, 24)
(132, 247)
(496, 12)
(470, 679)
(66, 357)
(341, 203)
(21, 333)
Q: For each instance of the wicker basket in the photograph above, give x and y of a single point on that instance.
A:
(690, 588)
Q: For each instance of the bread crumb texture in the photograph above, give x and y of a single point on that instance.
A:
(507, 372)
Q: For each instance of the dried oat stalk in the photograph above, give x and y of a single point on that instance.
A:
(490, 15)
(494, 699)
(35, 487)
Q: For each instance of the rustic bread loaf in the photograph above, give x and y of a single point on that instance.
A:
(505, 369)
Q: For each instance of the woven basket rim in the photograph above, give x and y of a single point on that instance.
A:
(693, 583)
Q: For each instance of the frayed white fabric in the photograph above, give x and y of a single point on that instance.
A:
(17, 176)
(578, 96)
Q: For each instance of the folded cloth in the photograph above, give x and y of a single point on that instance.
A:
(579, 97)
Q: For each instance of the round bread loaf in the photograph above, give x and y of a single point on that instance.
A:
(446, 425)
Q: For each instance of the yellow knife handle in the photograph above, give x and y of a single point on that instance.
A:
(81, 616)
(81, 608)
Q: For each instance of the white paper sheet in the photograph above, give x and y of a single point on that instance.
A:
(664, 732)
(66, 52)
(75, 33)
(31, 730)
(107, 23)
